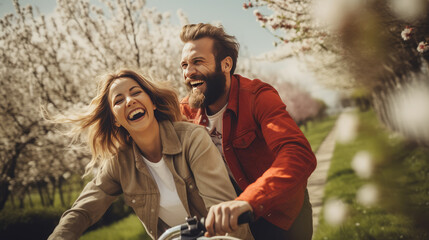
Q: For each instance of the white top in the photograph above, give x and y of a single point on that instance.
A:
(215, 130)
(171, 209)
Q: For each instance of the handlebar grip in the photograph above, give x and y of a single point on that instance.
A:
(246, 217)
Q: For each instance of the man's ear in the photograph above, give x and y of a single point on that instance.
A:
(226, 64)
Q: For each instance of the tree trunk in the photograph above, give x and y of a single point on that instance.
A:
(8, 171)
(60, 191)
(40, 190)
(29, 198)
(51, 194)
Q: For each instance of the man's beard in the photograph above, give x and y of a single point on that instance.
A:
(215, 87)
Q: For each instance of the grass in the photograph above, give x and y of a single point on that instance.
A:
(317, 131)
(129, 228)
(71, 190)
(401, 172)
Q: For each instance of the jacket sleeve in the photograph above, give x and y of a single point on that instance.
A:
(89, 207)
(209, 169)
(294, 159)
(211, 176)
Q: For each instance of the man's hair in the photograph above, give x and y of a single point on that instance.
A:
(224, 45)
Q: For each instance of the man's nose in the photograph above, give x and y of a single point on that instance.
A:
(189, 72)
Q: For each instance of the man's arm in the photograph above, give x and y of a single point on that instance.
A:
(294, 159)
(288, 173)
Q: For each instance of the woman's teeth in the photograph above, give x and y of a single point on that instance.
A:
(136, 114)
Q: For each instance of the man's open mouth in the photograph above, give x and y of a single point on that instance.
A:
(196, 83)
(136, 114)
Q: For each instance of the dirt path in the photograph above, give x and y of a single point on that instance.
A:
(316, 182)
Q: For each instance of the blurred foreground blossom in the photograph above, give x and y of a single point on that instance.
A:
(362, 164)
(347, 127)
(409, 10)
(335, 211)
(409, 110)
(333, 13)
(367, 195)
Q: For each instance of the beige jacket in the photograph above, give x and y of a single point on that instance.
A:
(198, 170)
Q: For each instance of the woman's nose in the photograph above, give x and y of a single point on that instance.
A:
(130, 101)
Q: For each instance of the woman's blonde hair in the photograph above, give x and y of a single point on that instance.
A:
(104, 138)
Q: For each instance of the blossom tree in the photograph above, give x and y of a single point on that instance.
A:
(52, 61)
(300, 104)
(380, 45)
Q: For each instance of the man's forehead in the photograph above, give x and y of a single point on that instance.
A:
(201, 46)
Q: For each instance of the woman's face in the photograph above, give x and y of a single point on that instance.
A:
(131, 106)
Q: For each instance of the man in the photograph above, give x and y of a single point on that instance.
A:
(268, 157)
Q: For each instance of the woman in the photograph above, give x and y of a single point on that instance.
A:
(166, 169)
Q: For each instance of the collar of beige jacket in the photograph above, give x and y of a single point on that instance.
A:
(170, 141)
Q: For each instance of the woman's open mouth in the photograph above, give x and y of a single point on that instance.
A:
(136, 114)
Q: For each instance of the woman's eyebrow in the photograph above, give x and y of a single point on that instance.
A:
(133, 87)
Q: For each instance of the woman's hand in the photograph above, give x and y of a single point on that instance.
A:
(222, 218)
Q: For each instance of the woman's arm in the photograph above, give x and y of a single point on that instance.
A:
(89, 207)
(211, 176)
(209, 169)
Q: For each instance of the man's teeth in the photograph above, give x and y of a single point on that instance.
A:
(135, 112)
(196, 83)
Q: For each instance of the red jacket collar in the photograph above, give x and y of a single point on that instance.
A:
(234, 93)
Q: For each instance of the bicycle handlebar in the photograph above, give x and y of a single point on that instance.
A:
(246, 217)
(194, 229)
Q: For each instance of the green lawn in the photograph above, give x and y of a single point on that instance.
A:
(71, 190)
(401, 173)
(129, 228)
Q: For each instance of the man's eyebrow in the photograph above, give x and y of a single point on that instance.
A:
(193, 59)
(198, 58)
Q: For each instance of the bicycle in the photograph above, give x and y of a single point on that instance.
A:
(194, 229)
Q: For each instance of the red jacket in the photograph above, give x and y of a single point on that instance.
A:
(267, 153)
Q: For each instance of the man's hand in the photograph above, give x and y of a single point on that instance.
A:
(222, 218)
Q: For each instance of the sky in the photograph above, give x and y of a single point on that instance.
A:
(236, 21)
(254, 40)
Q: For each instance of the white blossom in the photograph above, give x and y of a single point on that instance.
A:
(423, 47)
(406, 33)
(367, 195)
(362, 164)
(335, 211)
(409, 10)
(409, 110)
(333, 13)
(347, 127)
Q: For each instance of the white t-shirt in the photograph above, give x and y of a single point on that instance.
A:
(171, 209)
(215, 130)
